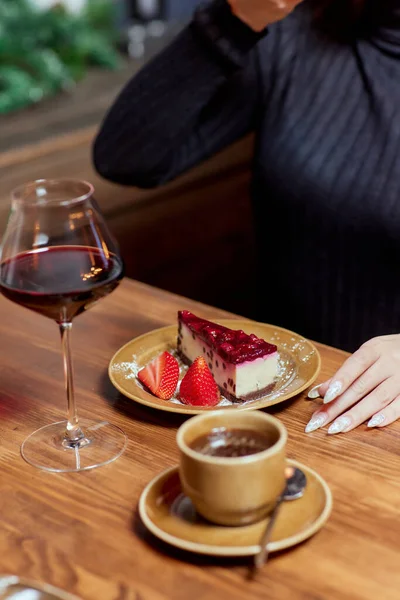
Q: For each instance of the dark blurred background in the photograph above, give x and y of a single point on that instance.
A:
(61, 66)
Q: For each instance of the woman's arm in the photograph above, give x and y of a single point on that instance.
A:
(198, 96)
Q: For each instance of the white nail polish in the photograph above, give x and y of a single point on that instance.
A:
(333, 392)
(340, 425)
(315, 423)
(313, 394)
(377, 420)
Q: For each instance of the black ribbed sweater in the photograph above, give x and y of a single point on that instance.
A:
(326, 172)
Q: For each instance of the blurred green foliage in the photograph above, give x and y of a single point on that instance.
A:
(45, 51)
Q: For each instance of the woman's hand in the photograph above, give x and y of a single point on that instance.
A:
(366, 387)
(258, 14)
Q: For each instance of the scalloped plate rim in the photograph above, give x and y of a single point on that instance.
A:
(260, 403)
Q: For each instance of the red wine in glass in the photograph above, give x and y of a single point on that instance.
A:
(58, 259)
(60, 282)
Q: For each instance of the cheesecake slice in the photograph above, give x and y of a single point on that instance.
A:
(244, 366)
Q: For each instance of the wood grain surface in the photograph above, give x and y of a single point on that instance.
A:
(81, 532)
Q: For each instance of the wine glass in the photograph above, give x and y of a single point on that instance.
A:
(58, 258)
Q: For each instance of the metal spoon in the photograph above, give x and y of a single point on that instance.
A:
(296, 482)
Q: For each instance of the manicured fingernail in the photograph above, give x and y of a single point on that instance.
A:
(340, 425)
(333, 392)
(377, 420)
(316, 422)
(314, 392)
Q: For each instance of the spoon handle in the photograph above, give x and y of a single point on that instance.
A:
(262, 556)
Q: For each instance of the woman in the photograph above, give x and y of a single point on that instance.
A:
(320, 86)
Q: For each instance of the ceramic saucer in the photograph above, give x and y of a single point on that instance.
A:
(170, 516)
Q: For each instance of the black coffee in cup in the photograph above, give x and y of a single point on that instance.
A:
(233, 443)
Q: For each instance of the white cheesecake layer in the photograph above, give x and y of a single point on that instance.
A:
(256, 375)
(242, 380)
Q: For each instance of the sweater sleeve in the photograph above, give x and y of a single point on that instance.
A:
(195, 98)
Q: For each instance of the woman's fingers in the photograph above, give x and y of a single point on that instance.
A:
(318, 391)
(377, 404)
(380, 398)
(258, 14)
(366, 387)
(349, 372)
(388, 415)
(362, 386)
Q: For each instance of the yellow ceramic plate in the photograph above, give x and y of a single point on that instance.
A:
(170, 516)
(299, 366)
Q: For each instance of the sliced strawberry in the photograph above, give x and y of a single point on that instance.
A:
(161, 376)
(198, 387)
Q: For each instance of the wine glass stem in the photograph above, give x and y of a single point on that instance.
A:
(73, 432)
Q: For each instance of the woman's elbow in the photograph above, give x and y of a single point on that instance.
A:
(109, 164)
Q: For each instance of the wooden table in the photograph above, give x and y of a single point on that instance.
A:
(82, 533)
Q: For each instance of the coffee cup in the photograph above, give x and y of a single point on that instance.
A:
(232, 464)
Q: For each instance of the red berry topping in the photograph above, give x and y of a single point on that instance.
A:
(161, 376)
(234, 346)
(198, 387)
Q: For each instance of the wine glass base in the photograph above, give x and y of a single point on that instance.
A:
(45, 450)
